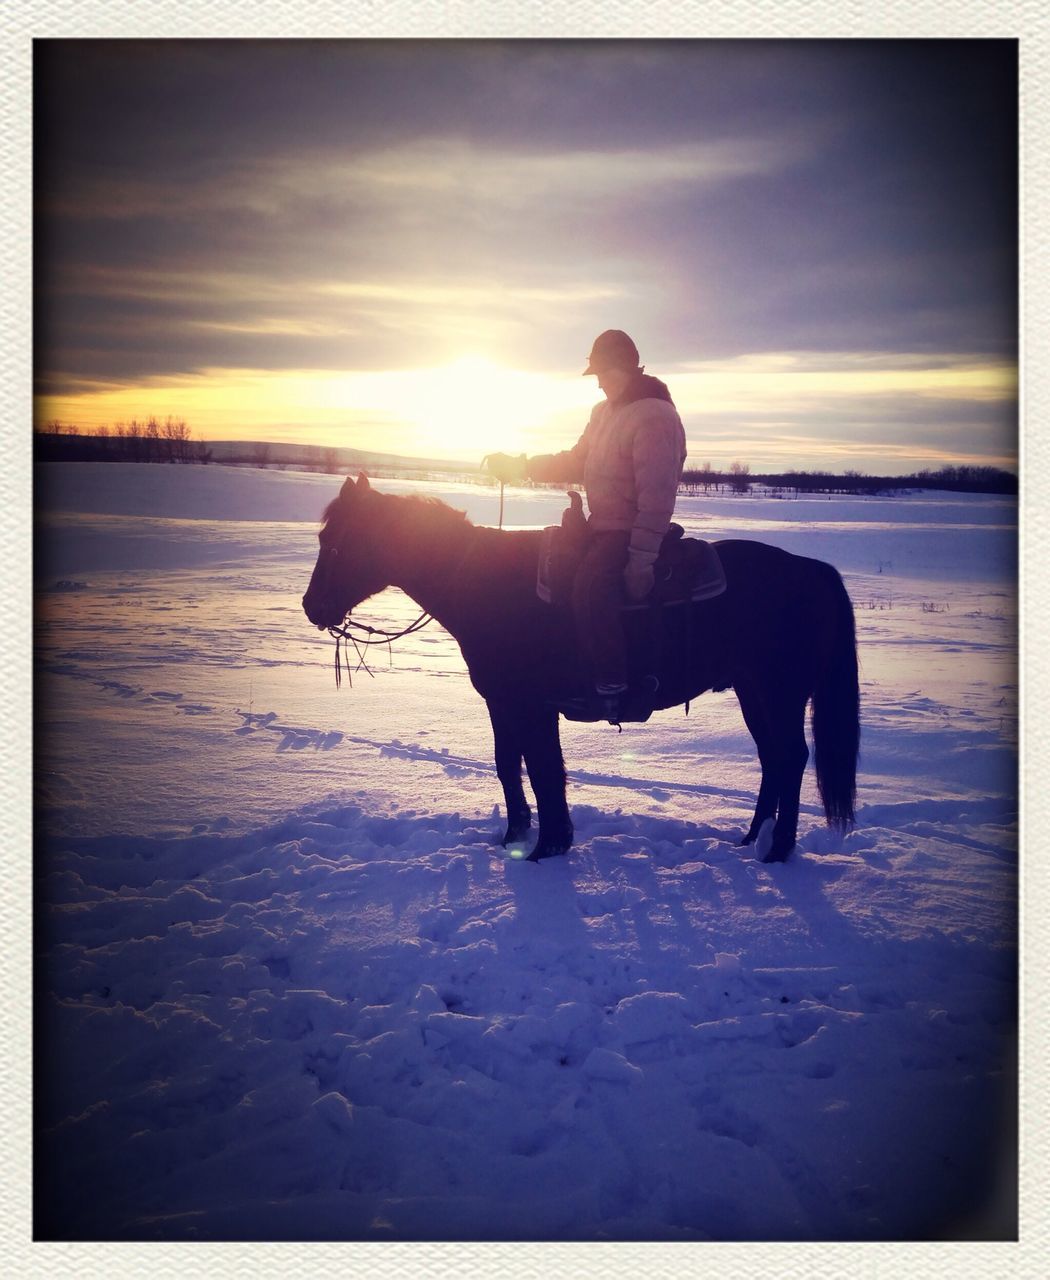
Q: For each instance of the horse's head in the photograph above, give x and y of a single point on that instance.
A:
(350, 560)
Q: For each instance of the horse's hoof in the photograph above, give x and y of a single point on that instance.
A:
(779, 853)
(549, 849)
(515, 835)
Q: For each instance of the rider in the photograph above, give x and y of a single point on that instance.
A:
(630, 460)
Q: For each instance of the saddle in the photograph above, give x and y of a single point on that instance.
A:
(686, 569)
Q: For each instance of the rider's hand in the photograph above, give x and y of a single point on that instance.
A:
(638, 577)
(506, 467)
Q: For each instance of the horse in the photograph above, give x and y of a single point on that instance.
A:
(781, 635)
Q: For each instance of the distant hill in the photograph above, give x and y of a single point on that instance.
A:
(326, 457)
(72, 446)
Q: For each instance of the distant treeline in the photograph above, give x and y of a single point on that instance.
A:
(170, 441)
(134, 441)
(738, 479)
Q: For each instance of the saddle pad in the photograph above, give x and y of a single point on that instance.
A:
(694, 573)
(687, 570)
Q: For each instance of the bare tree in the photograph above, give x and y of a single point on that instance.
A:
(151, 440)
(739, 471)
(133, 440)
(177, 434)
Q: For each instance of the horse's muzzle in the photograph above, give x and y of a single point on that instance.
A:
(315, 615)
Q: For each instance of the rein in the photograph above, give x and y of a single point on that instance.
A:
(344, 632)
(368, 636)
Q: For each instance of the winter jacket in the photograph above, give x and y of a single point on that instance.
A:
(630, 460)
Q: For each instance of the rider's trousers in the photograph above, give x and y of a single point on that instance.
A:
(597, 598)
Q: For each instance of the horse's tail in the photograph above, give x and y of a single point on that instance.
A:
(836, 712)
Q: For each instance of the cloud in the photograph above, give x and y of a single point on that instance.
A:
(764, 404)
(165, 321)
(351, 180)
(802, 377)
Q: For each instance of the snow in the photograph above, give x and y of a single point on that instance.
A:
(291, 988)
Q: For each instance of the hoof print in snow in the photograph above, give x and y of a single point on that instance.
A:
(606, 1064)
(301, 739)
(335, 1111)
(436, 925)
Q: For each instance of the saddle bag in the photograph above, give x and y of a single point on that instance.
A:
(686, 570)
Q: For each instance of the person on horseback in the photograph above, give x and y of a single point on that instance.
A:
(630, 459)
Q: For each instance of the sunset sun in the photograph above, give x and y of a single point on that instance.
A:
(474, 405)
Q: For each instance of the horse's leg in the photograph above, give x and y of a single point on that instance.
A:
(775, 712)
(758, 726)
(546, 766)
(507, 737)
(788, 724)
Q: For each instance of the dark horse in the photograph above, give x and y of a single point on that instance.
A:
(780, 635)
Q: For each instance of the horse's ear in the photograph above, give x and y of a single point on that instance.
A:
(347, 488)
(362, 482)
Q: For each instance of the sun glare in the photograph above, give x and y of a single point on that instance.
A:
(473, 405)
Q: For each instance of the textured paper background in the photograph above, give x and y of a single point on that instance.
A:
(22, 21)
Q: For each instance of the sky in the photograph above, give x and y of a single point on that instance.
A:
(409, 246)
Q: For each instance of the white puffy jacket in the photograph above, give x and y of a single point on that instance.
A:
(630, 460)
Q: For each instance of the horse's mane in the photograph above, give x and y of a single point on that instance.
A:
(413, 504)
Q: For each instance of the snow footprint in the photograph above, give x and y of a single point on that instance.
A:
(293, 738)
(436, 925)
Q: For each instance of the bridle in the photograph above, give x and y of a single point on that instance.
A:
(367, 636)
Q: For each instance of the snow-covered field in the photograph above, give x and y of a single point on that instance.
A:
(291, 988)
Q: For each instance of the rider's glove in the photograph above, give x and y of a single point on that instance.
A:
(638, 576)
(506, 467)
